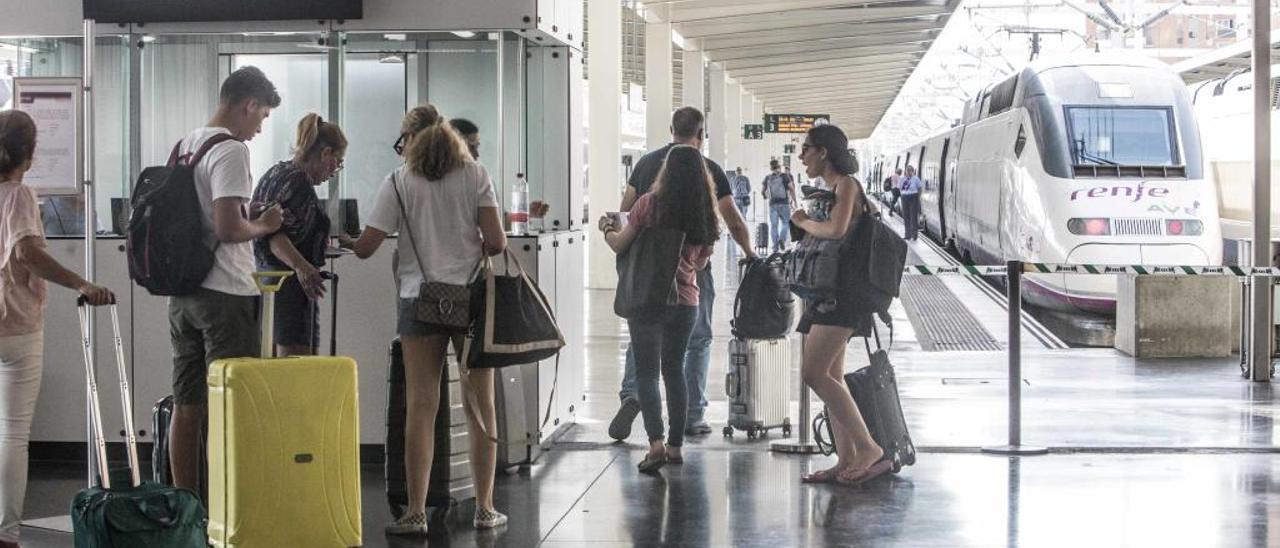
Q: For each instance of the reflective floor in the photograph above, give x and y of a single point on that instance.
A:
(1146, 453)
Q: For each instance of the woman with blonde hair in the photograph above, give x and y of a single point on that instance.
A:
(300, 244)
(442, 204)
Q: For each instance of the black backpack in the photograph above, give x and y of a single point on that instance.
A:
(764, 307)
(169, 246)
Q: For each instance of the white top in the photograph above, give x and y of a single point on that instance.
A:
(444, 219)
(224, 173)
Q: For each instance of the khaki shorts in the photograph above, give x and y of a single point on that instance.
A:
(204, 327)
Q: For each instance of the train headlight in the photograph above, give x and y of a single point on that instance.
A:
(1089, 227)
(1184, 227)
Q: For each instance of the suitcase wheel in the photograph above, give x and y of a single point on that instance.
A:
(751, 433)
(728, 431)
(786, 430)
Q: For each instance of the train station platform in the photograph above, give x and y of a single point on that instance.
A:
(1143, 452)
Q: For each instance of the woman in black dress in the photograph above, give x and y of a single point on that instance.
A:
(300, 244)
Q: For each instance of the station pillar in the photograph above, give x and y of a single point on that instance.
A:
(695, 72)
(658, 86)
(604, 156)
(716, 123)
(733, 126)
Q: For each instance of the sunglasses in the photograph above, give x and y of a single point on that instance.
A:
(399, 144)
(804, 148)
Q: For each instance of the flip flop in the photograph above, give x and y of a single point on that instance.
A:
(860, 477)
(650, 466)
(821, 476)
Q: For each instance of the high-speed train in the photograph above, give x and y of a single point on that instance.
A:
(1224, 109)
(1091, 160)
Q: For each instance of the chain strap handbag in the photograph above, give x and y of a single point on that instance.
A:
(438, 303)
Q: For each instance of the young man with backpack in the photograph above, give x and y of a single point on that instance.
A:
(780, 190)
(219, 319)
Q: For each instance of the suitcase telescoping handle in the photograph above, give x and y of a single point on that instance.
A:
(269, 283)
(333, 299)
(95, 415)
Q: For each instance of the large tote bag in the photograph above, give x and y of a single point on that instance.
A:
(647, 271)
(512, 320)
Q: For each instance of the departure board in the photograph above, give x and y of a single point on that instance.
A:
(793, 123)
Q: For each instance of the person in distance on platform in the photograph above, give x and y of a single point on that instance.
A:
(911, 204)
(300, 244)
(830, 325)
(24, 268)
(448, 221)
(682, 199)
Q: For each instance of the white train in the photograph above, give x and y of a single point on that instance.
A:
(1093, 160)
(1224, 108)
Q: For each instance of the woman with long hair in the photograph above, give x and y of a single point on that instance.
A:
(831, 323)
(300, 244)
(682, 199)
(24, 268)
(450, 210)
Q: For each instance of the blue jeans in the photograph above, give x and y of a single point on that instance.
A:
(779, 224)
(660, 343)
(697, 356)
(743, 207)
(910, 216)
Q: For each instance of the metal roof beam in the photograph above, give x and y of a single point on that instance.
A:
(836, 94)
(810, 46)
(867, 63)
(817, 32)
(850, 82)
(736, 26)
(910, 47)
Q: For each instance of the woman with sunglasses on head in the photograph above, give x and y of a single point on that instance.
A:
(831, 323)
(683, 198)
(300, 243)
(442, 204)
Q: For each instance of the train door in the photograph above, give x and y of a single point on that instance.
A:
(943, 164)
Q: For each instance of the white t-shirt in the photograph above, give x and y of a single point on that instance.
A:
(224, 173)
(444, 219)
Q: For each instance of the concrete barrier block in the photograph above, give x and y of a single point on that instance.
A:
(1175, 317)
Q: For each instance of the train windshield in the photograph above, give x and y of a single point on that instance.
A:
(1121, 136)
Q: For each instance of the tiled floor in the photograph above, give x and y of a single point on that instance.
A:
(1148, 453)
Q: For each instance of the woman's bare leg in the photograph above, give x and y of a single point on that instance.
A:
(423, 365)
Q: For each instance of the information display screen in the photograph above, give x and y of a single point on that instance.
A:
(194, 11)
(793, 123)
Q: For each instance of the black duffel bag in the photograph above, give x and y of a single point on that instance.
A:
(512, 322)
(764, 307)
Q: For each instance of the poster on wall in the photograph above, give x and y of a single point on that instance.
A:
(55, 106)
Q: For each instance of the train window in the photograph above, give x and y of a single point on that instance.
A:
(1121, 136)
(1020, 142)
(1002, 96)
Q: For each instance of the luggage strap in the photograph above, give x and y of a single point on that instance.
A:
(472, 406)
(875, 331)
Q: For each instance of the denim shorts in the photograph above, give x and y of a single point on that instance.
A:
(407, 322)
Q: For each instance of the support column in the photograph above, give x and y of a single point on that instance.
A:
(604, 74)
(716, 146)
(658, 86)
(758, 161)
(1261, 313)
(695, 71)
(733, 123)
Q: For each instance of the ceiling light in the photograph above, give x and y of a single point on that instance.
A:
(148, 38)
(464, 34)
(395, 37)
(391, 59)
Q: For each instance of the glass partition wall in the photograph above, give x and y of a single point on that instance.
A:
(364, 82)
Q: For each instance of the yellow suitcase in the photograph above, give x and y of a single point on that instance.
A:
(284, 448)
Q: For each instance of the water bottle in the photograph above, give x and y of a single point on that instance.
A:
(520, 206)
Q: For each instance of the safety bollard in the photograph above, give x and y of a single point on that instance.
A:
(1014, 292)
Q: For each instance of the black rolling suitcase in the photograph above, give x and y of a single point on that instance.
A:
(875, 391)
(451, 483)
(762, 238)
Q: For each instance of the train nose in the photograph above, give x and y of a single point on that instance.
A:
(1094, 293)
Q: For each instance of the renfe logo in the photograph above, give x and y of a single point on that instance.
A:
(1137, 193)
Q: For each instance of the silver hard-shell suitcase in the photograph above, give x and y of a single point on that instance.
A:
(758, 385)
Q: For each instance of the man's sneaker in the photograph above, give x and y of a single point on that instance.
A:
(620, 427)
(409, 524)
(700, 428)
(489, 519)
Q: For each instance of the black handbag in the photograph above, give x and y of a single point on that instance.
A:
(438, 303)
(513, 323)
(647, 271)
